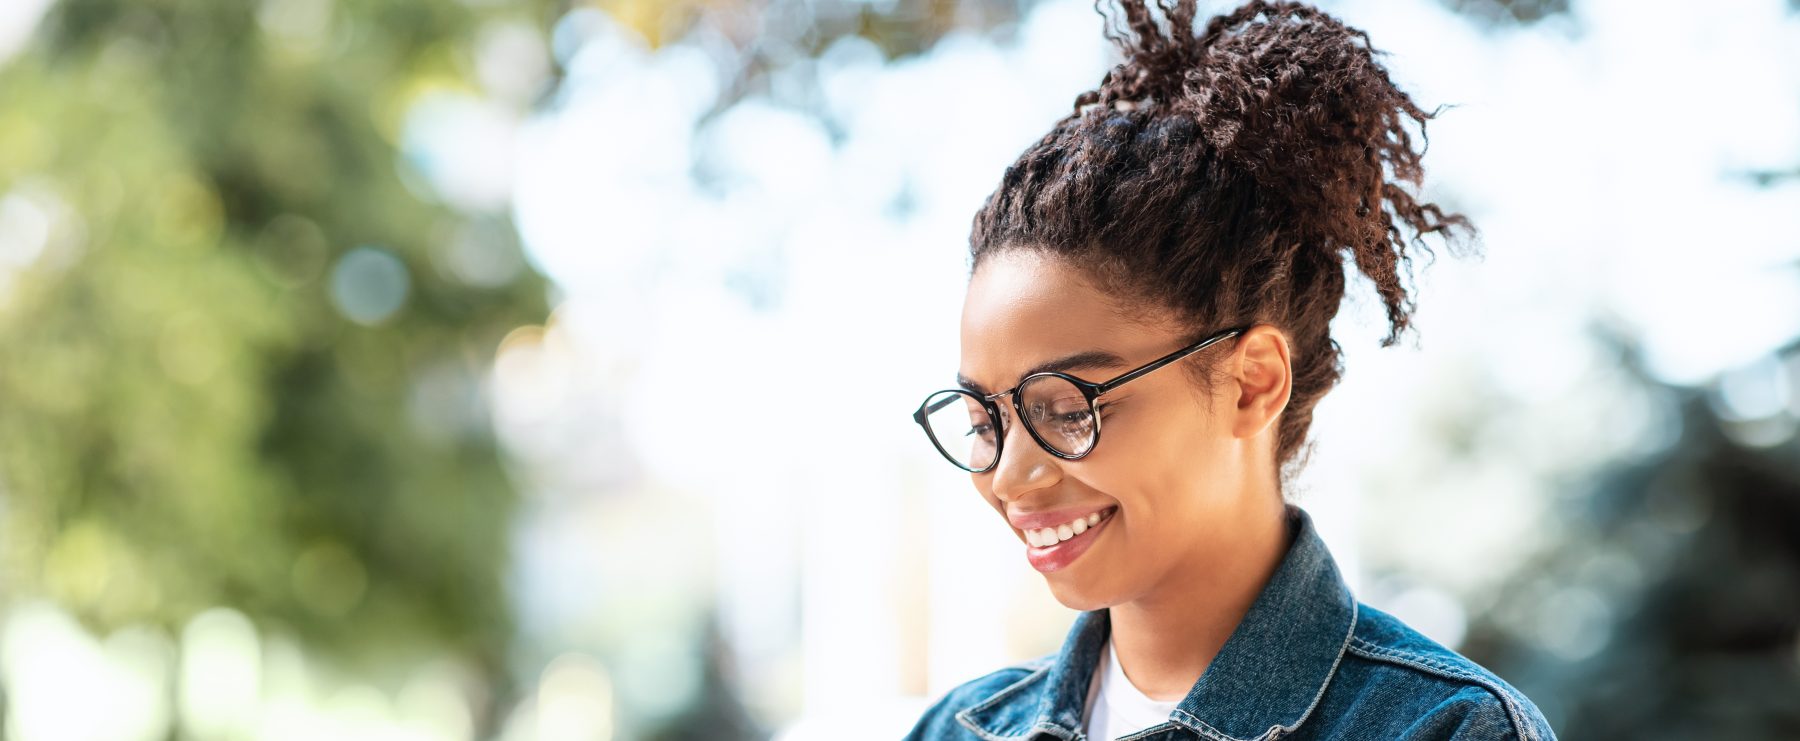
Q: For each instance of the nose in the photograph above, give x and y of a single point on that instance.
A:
(1024, 467)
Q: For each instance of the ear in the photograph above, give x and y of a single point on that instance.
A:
(1263, 375)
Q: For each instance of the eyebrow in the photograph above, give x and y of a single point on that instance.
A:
(1087, 359)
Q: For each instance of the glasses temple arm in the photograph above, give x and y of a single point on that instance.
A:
(1165, 360)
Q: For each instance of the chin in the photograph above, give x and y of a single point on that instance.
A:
(1075, 597)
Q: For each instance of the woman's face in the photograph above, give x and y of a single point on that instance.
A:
(1177, 475)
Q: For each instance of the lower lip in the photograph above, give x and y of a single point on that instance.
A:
(1057, 557)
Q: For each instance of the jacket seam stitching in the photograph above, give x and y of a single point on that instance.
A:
(1514, 713)
(977, 730)
(1053, 730)
(962, 716)
(1279, 730)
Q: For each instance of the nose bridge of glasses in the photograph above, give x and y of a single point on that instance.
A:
(1004, 409)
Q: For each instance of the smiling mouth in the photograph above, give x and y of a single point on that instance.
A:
(1058, 554)
(1051, 537)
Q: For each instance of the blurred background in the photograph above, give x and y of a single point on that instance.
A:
(439, 369)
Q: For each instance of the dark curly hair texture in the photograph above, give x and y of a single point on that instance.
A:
(1222, 176)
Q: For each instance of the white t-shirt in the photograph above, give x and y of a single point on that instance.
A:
(1115, 707)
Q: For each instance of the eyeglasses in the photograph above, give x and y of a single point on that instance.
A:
(1058, 410)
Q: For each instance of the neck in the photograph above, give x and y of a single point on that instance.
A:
(1167, 637)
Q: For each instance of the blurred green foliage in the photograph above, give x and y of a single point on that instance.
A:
(1668, 605)
(186, 417)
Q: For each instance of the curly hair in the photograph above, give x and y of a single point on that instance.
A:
(1223, 175)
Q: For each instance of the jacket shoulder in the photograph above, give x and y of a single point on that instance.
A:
(1448, 695)
(939, 721)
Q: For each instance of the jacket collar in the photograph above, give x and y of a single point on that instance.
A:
(1269, 675)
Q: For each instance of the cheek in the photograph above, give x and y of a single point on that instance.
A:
(1145, 440)
(1152, 460)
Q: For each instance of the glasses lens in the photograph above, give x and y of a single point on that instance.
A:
(962, 428)
(1059, 413)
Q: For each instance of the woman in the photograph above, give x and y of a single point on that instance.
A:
(1164, 266)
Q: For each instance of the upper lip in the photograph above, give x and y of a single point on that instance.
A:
(1052, 518)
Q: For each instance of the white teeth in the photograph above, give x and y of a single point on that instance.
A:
(1052, 535)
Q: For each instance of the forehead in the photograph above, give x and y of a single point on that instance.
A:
(1024, 308)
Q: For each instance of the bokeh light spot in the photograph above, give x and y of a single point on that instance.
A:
(369, 284)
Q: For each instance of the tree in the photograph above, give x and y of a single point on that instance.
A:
(239, 368)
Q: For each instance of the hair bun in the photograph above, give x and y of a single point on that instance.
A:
(1294, 99)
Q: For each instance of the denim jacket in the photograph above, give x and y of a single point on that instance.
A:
(1308, 661)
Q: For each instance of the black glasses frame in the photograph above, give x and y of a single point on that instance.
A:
(1089, 389)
